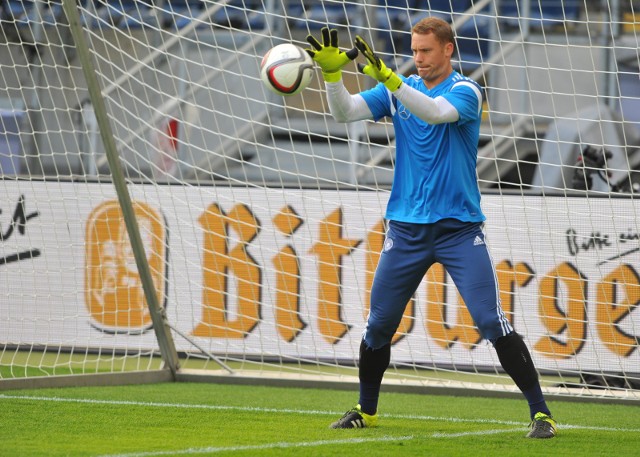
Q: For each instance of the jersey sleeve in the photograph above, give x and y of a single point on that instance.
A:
(466, 97)
(378, 100)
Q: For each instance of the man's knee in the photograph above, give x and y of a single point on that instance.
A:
(491, 328)
(378, 334)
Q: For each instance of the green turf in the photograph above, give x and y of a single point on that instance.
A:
(210, 419)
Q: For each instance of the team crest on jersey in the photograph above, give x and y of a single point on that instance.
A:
(388, 244)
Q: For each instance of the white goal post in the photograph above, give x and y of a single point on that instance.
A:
(164, 216)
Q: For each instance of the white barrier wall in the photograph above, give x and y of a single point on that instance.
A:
(286, 272)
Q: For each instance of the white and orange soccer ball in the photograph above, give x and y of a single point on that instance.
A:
(286, 69)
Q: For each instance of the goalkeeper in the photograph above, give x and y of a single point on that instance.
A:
(433, 213)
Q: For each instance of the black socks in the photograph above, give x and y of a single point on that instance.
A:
(516, 360)
(373, 364)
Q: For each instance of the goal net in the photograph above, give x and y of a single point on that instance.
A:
(259, 219)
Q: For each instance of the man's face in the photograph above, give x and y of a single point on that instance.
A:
(432, 58)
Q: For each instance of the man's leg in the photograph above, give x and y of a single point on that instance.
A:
(516, 360)
(467, 259)
(401, 267)
(372, 365)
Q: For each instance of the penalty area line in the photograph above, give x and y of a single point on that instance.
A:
(260, 447)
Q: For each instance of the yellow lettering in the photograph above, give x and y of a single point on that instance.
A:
(287, 267)
(509, 277)
(330, 249)
(568, 317)
(219, 265)
(618, 295)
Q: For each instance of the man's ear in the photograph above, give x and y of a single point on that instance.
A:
(448, 49)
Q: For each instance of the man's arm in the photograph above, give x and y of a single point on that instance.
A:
(345, 107)
(431, 110)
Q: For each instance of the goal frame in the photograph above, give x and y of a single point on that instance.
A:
(162, 328)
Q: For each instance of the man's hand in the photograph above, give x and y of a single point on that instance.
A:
(330, 59)
(376, 67)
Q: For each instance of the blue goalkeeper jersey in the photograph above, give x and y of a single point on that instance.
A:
(435, 168)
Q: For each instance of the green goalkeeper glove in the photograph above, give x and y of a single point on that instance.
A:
(376, 67)
(330, 59)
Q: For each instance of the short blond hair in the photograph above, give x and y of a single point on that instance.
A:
(439, 27)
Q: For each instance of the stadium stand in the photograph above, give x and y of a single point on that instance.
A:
(25, 13)
(542, 14)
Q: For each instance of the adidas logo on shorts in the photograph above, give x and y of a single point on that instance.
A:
(478, 241)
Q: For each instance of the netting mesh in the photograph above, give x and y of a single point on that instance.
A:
(262, 217)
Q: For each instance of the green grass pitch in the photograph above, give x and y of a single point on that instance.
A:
(184, 419)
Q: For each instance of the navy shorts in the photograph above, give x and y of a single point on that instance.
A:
(409, 250)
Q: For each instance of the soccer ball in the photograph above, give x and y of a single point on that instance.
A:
(286, 69)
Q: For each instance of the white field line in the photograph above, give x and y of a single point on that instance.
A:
(477, 433)
(285, 445)
(562, 425)
(259, 447)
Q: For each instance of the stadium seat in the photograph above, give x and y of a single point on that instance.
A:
(95, 16)
(543, 13)
(295, 14)
(472, 42)
(320, 14)
(445, 8)
(392, 12)
(180, 13)
(131, 14)
(134, 14)
(25, 14)
(125, 14)
(456, 6)
(394, 20)
(240, 14)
